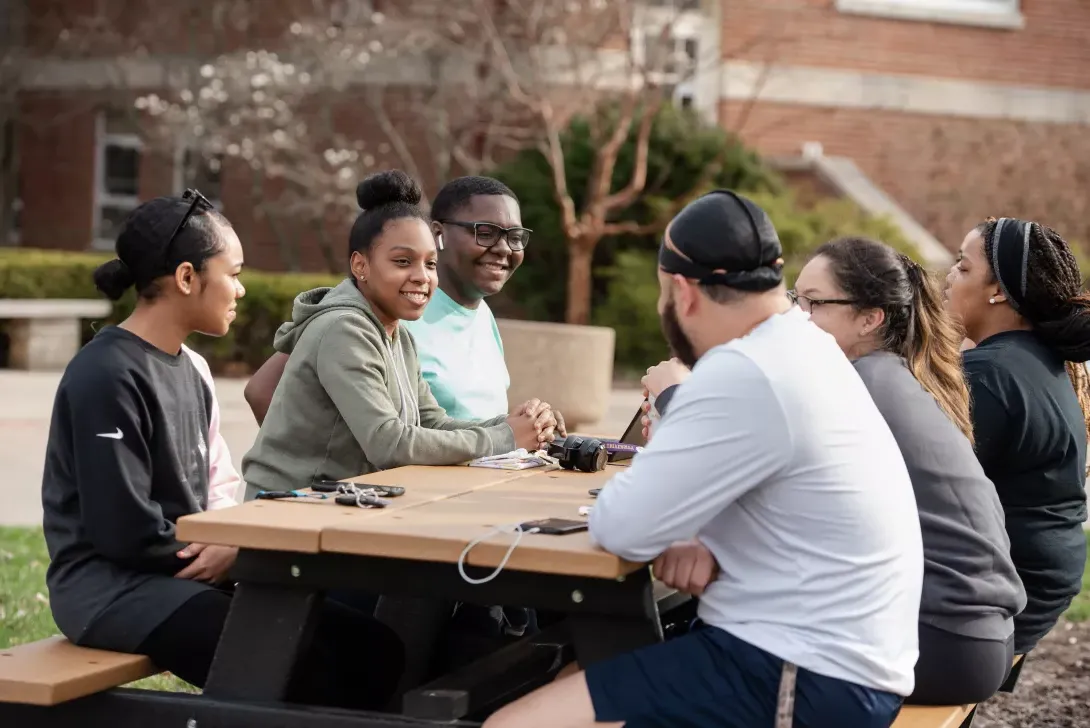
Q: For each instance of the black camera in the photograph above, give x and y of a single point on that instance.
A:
(579, 453)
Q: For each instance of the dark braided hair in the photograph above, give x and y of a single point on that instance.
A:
(457, 193)
(1055, 305)
(916, 326)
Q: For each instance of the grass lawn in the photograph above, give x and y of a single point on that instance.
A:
(24, 604)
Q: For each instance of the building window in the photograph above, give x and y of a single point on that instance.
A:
(117, 176)
(200, 172)
(666, 45)
(988, 13)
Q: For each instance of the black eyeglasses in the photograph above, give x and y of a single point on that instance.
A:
(196, 200)
(487, 234)
(807, 304)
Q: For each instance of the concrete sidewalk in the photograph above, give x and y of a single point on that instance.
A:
(26, 402)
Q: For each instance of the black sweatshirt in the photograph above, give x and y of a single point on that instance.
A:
(127, 456)
(1031, 440)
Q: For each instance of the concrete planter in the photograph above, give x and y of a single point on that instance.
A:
(570, 367)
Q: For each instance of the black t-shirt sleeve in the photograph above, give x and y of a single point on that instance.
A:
(112, 468)
(991, 424)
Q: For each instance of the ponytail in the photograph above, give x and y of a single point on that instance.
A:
(932, 347)
(916, 326)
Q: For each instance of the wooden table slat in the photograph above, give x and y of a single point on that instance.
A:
(439, 531)
(298, 525)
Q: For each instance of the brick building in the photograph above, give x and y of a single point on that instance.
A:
(956, 109)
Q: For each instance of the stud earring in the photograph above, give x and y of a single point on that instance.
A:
(992, 300)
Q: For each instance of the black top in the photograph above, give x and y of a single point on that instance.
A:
(127, 456)
(1031, 440)
(970, 586)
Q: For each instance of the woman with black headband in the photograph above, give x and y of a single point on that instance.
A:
(1017, 290)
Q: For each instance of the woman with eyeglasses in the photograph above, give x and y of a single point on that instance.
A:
(1017, 290)
(134, 445)
(886, 314)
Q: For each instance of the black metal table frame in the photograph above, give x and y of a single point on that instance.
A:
(272, 618)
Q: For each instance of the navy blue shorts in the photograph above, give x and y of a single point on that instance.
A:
(710, 678)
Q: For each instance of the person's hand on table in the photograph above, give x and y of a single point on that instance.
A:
(546, 421)
(211, 563)
(687, 566)
(526, 429)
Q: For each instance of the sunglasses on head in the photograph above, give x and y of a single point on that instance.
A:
(195, 199)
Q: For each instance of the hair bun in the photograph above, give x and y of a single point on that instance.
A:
(385, 188)
(113, 278)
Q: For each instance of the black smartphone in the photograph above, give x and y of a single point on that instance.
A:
(555, 526)
(277, 494)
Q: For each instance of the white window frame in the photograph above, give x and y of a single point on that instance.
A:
(686, 26)
(103, 196)
(985, 13)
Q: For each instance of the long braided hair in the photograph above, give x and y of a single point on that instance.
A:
(1055, 305)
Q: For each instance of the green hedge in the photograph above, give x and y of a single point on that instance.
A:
(28, 273)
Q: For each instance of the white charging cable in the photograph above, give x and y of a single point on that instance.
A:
(515, 529)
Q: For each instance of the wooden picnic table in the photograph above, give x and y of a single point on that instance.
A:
(292, 552)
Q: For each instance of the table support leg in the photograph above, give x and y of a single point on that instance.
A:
(267, 629)
(598, 637)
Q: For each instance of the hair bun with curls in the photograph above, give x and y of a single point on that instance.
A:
(386, 188)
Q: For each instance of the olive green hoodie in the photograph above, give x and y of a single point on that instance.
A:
(352, 401)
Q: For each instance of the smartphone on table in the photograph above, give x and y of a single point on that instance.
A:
(555, 526)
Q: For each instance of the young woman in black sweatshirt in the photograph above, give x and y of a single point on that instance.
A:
(132, 449)
(1017, 290)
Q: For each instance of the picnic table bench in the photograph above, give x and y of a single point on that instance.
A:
(45, 333)
(291, 552)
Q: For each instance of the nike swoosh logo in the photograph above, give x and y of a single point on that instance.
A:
(112, 435)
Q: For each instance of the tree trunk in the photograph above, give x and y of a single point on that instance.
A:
(580, 276)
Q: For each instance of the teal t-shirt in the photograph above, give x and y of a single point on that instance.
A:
(461, 358)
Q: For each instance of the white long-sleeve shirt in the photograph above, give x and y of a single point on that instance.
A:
(775, 456)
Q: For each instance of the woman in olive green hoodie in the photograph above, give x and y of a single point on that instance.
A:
(352, 399)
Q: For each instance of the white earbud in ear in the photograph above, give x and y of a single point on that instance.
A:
(439, 241)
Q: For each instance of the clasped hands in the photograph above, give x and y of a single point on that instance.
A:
(535, 424)
(211, 563)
